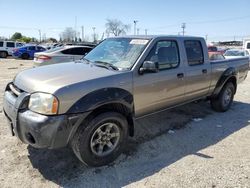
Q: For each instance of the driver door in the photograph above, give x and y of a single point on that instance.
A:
(156, 91)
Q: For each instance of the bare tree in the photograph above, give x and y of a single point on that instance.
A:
(68, 35)
(116, 27)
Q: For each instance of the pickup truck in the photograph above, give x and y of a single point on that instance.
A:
(91, 104)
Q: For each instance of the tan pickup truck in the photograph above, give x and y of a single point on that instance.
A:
(91, 104)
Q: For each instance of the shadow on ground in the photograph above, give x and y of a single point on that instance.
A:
(151, 150)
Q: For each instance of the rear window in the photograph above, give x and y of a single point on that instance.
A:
(194, 52)
(212, 49)
(248, 45)
(10, 44)
(1, 44)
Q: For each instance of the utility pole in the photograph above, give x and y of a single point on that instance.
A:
(135, 22)
(82, 33)
(40, 35)
(146, 32)
(94, 33)
(183, 26)
(75, 28)
(206, 37)
(138, 31)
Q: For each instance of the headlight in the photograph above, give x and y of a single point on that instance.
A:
(43, 103)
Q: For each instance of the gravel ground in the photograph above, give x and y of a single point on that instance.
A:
(202, 149)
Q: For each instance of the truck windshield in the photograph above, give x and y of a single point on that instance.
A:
(118, 52)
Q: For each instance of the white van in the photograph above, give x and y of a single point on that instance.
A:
(6, 47)
(246, 44)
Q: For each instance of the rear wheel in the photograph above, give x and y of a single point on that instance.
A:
(25, 56)
(224, 100)
(3, 54)
(101, 140)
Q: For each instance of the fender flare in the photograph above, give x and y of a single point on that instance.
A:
(100, 97)
(229, 73)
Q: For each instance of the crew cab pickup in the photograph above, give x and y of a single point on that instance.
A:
(91, 104)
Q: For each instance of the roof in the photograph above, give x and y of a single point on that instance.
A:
(156, 36)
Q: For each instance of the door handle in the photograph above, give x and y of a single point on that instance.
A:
(180, 75)
(204, 71)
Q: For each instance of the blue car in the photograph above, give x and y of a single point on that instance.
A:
(27, 52)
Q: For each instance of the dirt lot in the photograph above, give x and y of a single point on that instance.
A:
(204, 149)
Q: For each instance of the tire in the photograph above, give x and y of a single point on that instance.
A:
(225, 98)
(101, 140)
(3, 54)
(25, 56)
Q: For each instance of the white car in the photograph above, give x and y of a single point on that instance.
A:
(236, 53)
(61, 55)
(6, 47)
(246, 44)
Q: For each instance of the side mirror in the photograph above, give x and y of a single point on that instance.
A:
(149, 67)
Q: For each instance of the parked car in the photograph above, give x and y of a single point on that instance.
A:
(213, 56)
(91, 105)
(61, 55)
(6, 47)
(246, 45)
(236, 53)
(27, 52)
(216, 49)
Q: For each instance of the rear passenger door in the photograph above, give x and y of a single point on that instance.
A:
(9, 47)
(198, 70)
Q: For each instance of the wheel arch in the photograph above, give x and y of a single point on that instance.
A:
(104, 100)
(229, 75)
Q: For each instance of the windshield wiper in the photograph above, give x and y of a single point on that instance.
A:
(86, 60)
(105, 65)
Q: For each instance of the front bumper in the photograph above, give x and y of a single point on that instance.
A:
(35, 129)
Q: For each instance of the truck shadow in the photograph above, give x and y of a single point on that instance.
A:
(153, 148)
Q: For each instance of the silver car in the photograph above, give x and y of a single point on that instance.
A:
(61, 55)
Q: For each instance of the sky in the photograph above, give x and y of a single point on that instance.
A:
(217, 19)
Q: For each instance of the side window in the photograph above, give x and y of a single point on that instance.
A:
(40, 48)
(166, 53)
(86, 50)
(1, 44)
(67, 51)
(77, 51)
(248, 45)
(10, 45)
(247, 54)
(194, 52)
(32, 48)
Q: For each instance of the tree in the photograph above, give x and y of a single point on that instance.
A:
(68, 35)
(25, 39)
(116, 27)
(16, 36)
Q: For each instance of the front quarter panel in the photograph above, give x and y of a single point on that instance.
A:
(86, 95)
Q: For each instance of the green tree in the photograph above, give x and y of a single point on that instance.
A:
(25, 39)
(16, 36)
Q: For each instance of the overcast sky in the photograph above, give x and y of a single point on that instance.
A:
(218, 19)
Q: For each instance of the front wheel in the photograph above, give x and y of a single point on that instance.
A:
(225, 98)
(101, 140)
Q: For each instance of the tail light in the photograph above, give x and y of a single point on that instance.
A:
(43, 58)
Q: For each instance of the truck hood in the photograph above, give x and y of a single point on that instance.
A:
(53, 77)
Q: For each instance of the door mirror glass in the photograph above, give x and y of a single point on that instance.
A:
(149, 67)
